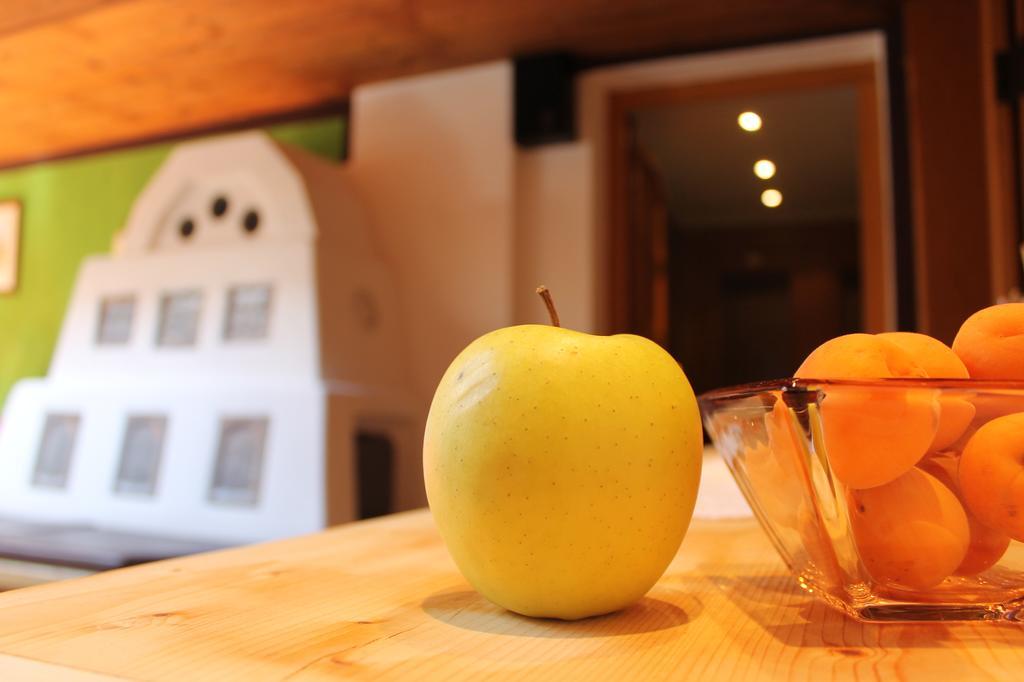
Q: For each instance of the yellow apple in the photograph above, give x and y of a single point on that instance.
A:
(562, 468)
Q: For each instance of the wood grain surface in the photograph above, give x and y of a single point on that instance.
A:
(87, 74)
(382, 599)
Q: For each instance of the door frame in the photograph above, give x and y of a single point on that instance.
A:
(607, 96)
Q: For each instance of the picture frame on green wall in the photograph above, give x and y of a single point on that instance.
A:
(10, 238)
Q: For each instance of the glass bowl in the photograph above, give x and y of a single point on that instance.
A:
(892, 500)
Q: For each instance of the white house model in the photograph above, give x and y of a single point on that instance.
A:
(231, 373)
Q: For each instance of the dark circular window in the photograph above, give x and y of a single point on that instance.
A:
(186, 228)
(219, 207)
(251, 221)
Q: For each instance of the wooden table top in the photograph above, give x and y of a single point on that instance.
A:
(382, 599)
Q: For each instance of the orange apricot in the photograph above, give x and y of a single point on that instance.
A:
(955, 415)
(872, 435)
(986, 549)
(992, 474)
(993, 403)
(988, 545)
(936, 358)
(939, 362)
(991, 342)
(859, 356)
(911, 531)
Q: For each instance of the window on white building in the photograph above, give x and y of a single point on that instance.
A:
(115, 322)
(179, 318)
(53, 460)
(248, 312)
(239, 466)
(140, 455)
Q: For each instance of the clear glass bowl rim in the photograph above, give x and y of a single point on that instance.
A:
(806, 384)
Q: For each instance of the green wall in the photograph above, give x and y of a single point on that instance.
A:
(71, 209)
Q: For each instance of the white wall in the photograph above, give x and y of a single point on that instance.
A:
(432, 157)
(555, 243)
(469, 224)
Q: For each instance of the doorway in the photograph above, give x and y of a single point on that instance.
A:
(748, 218)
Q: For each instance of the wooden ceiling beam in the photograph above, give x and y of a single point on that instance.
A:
(77, 75)
(27, 14)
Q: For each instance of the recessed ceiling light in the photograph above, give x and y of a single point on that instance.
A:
(764, 169)
(771, 198)
(749, 121)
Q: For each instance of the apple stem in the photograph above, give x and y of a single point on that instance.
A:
(546, 295)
